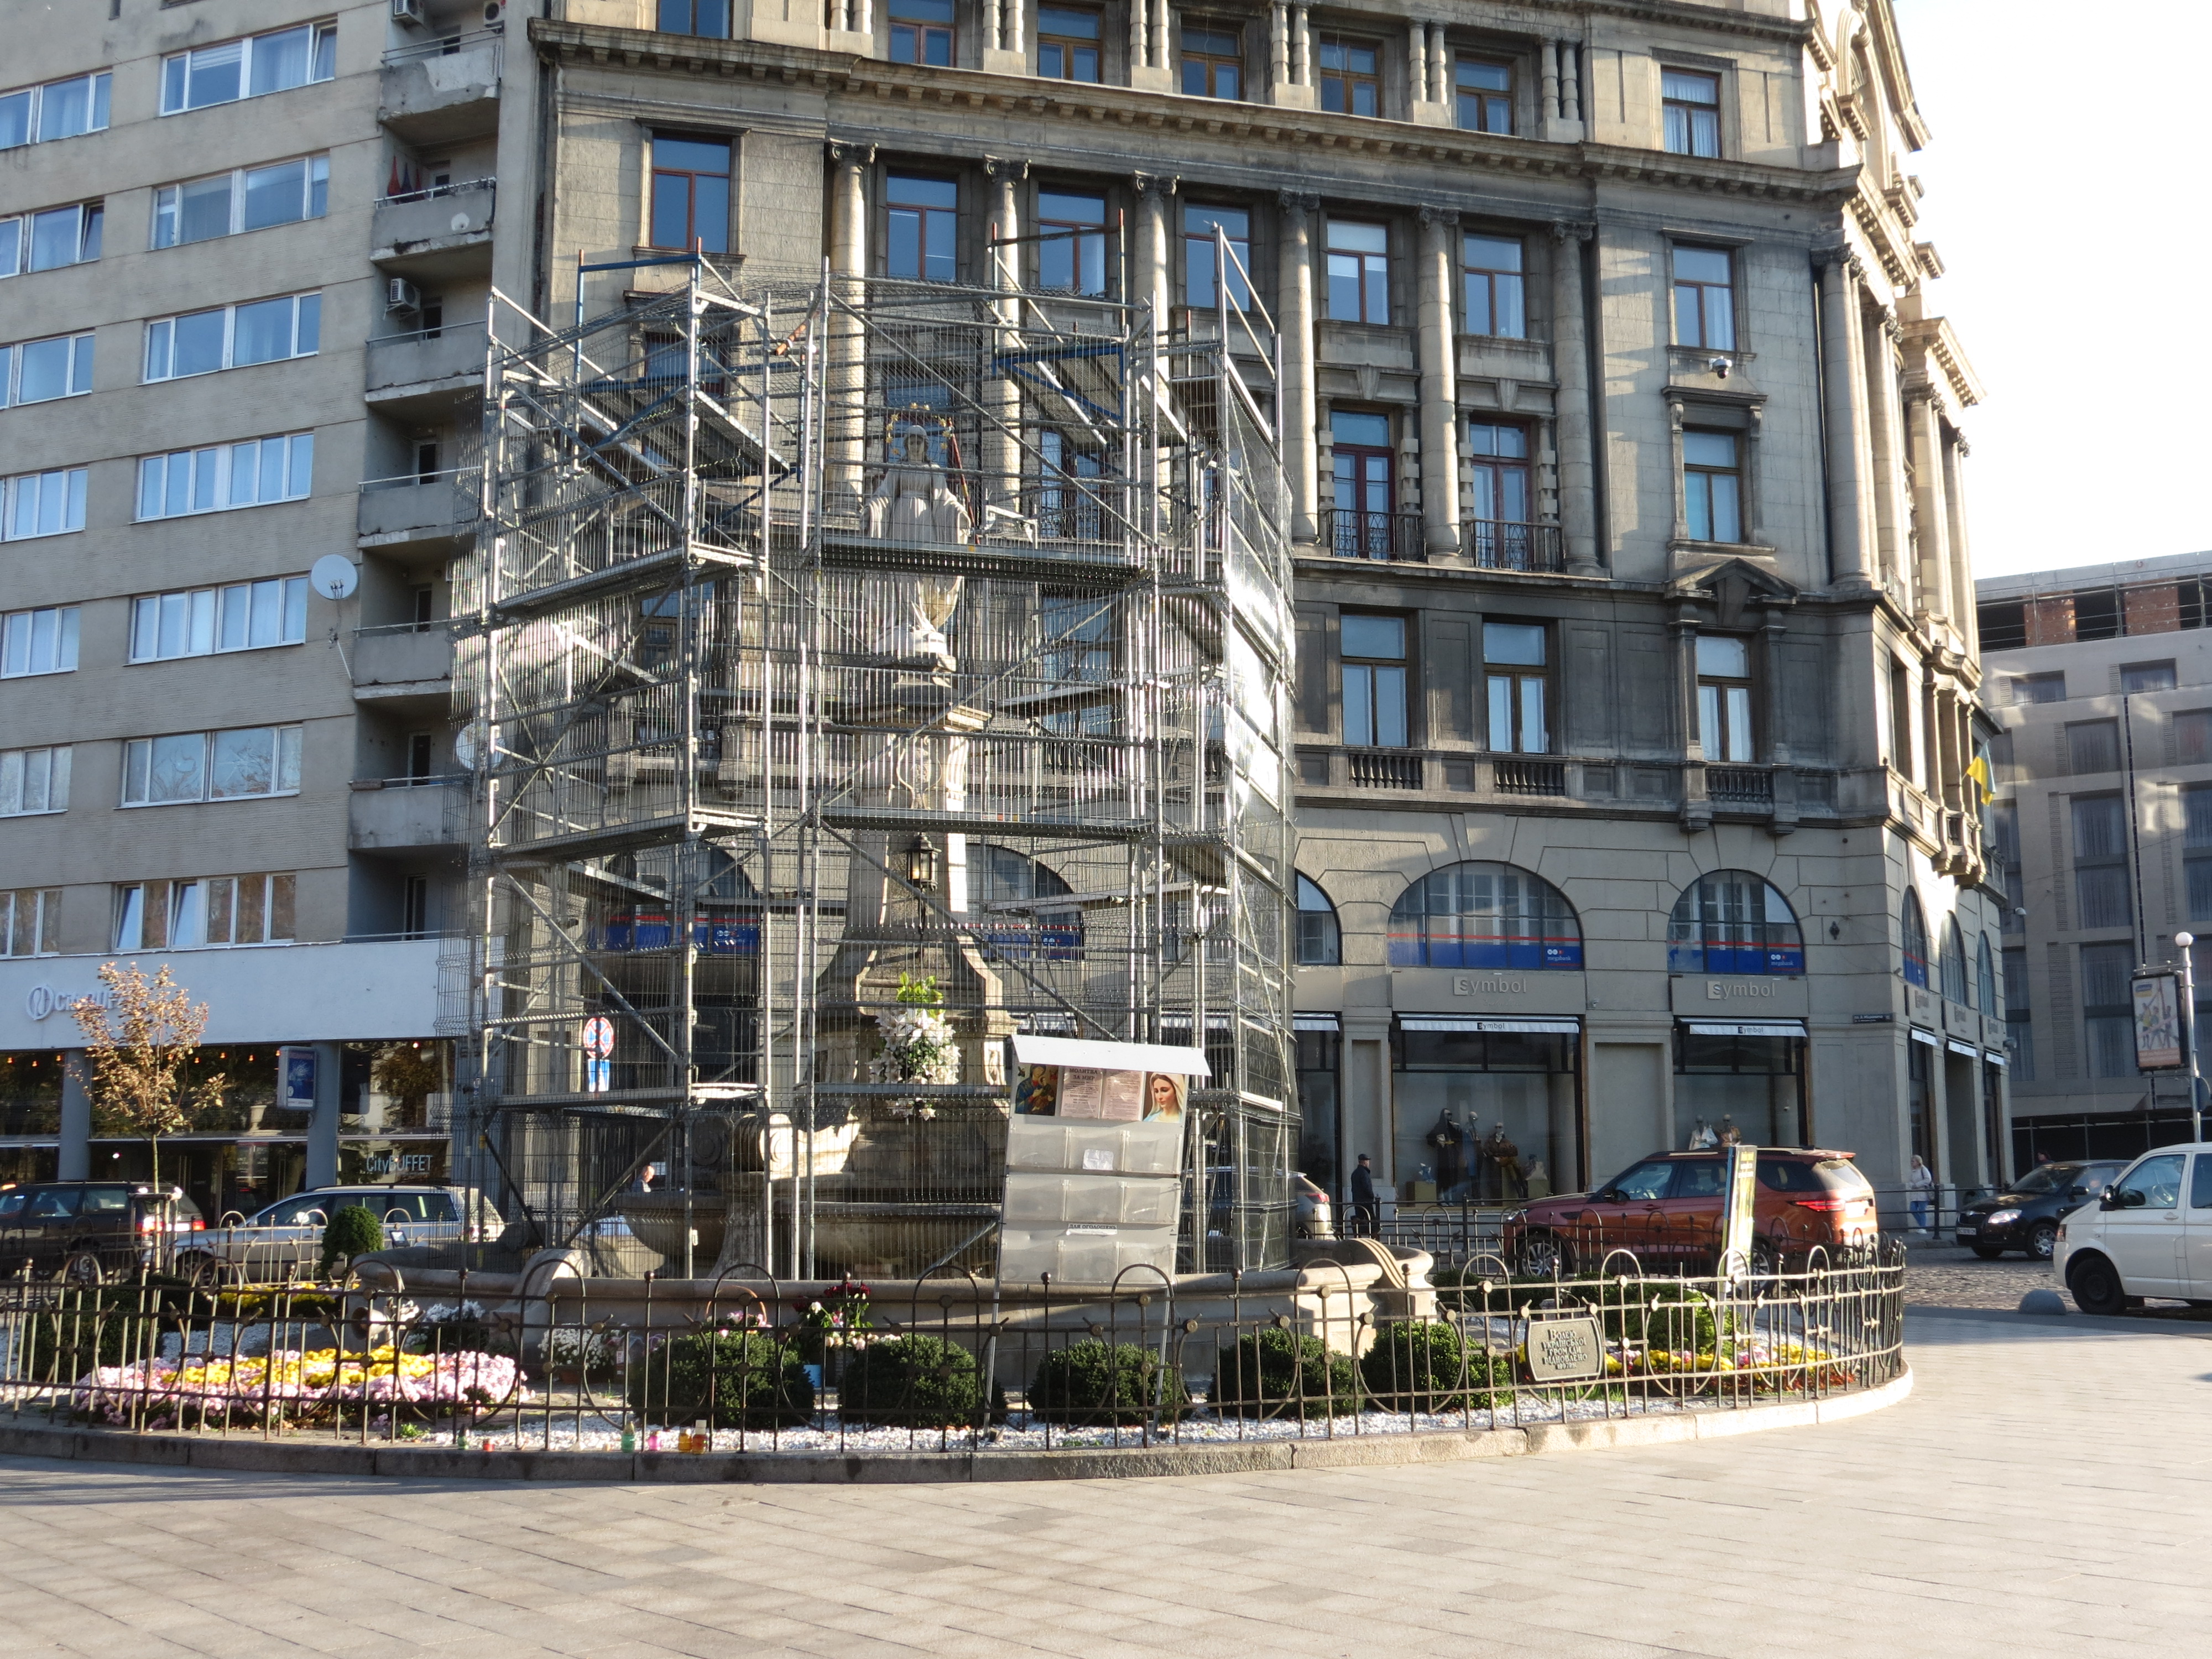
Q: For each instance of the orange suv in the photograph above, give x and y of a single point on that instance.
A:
(1666, 1211)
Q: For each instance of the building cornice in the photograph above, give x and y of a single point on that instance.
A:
(973, 91)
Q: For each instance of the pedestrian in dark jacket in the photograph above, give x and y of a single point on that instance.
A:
(1362, 1198)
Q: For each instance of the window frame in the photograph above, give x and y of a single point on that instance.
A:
(1516, 682)
(202, 898)
(57, 759)
(718, 190)
(2107, 1028)
(1554, 945)
(79, 373)
(1710, 304)
(169, 201)
(1728, 707)
(1362, 529)
(213, 604)
(286, 742)
(71, 488)
(2100, 866)
(1317, 945)
(1912, 941)
(157, 474)
(306, 319)
(1698, 484)
(923, 32)
(19, 639)
(1349, 82)
(1239, 289)
(926, 215)
(1699, 923)
(1082, 243)
(1071, 46)
(1369, 671)
(177, 67)
(692, 9)
(45, 933)
(19, 237)
(99, 87)
(1207, 61)
(1496, 469)
(1493, 284)
(1491, 100)
(1698, 118)
(1369, 274)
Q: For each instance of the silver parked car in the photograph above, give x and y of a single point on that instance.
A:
(286, 1237)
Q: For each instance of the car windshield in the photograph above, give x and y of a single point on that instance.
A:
(1646, 1181)
(290, 1212)
(2049, 1178)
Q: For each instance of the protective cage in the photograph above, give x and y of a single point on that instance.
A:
(827, 638)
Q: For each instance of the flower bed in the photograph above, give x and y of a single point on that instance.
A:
(293, 1385)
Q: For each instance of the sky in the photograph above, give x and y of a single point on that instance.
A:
(2064, 190)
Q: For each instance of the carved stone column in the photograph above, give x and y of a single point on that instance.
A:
(1931, 513)
(1847, 551)
(1294, 292)
(1003, 456)
(1571, 368)
(1962, 564)
(847, 347)
(1438, 346)
(1884, 420)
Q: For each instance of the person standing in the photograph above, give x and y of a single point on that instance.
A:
(1363, 1199)
(1920, 1193)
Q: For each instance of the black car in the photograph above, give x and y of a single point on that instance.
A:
(90, 1231)
(2025, 1217)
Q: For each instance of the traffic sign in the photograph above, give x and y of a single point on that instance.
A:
(599, 1037)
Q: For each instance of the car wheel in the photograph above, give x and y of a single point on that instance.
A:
(2043, 1242)
(1542, 1256)
(82, 1268)
(2096, 1286)
(201, 1271)
(1766, 1260)
(1991, 1252)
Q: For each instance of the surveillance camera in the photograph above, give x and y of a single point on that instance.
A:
(1720, 366)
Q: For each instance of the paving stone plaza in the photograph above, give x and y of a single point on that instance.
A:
(2039, 1492)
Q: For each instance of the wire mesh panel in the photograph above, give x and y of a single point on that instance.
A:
(856, 674)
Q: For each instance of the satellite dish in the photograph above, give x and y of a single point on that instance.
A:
(334, 576)
(467, 746)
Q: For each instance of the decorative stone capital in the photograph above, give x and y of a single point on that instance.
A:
(1163, 184)
(850, 156)
(1563, 230)
(1447, 217)
(1294, 201)
(1006, 170)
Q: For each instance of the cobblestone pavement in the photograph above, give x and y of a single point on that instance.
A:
(2039, 1493)
(1943, 1275)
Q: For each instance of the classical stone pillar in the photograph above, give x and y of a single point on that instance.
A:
(1294, 295)
(1149, 270)
(1002, 449)
(1886, 416)
(1962, 563)
(1932, 514)
(1571, 368)
(1301, 47)
(1279, 44)
(1438, 344)
(1417, 64)
(1162, 52)
(1841, 409)
(1440, 93)
(846, 348)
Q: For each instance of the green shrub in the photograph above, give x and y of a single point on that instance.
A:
(354, 1230)
(917, 1381)
(1092, 1382)
(730, 1379)
(1419, 1365)
(1679, 1322)
(1274, 1372)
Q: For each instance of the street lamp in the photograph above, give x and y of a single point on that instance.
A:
(920, 863)
(2182, 942)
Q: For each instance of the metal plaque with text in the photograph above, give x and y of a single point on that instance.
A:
(1566, 1350)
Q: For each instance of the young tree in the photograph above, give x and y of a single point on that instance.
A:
(138, 1043)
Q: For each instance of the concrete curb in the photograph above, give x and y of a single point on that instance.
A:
(179, 1452)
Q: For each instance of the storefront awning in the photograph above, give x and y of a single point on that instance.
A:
(1928, 1037)
(1316, 1023)
(1966, 1048)
(1750, 1028)
(1995, 1059)
(1474, 1022)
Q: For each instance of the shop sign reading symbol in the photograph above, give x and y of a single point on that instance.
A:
(599, 1047)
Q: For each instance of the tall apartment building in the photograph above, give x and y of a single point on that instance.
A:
(1638, 675)
(2100, 680)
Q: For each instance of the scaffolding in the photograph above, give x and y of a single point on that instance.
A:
(835, 648)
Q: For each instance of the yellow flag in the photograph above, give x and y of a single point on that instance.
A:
(1979, 772)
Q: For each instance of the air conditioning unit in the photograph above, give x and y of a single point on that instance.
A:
(409, 12)
(495, 13)
(402, 296)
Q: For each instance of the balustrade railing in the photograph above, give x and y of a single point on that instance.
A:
(1390, 538)
(1505, 544)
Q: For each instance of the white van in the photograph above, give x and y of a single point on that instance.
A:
(2149, 1235)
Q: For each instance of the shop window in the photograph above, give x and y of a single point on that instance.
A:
(1319, 1157)
(1320, 944)
(1483, 1115)
(1734, 922)
(1754, 1085)
(1486, 916)
(1914, 935)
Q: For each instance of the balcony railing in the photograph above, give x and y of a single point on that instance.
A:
(1742, 785)
(1528, 777)
(1505, 544)
(1383, 768)
(1390, 538)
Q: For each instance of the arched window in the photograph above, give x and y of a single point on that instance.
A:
(1955, 964)
(1985, 977)
(1734, 922)
(1007, 896)
(1320, 944)
(1915, 944)
(643, 914)
(1484, 915)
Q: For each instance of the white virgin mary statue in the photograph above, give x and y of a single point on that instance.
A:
(914, 503)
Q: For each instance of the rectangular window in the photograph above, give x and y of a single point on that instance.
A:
(1365, 517)
(691, 193)
(195, 766)
(2192, 737)
(233, 337)
(708, 17)
(2146, 677)
(1515, 670)
(1486, 94)
(2196, 848)
(924, 218)
(2019, 1032)
(2100, 863)
(1713, 486)
(1691, 110)
(213, 911)
(1068, 44)
(42, 504)
(51, 238)
(2106, 970)
(1704, 298)
(38, 641)
(36, 371)
(2003, 627)
(245, 198)
(1199, 225)
(1073, 260)
(1359, 272)
(31, 922)
(921, 32)
(251, 473)
(1350, 83)
(2093, 746)
(1500, 504)
(1724, 699)
(1374, 652)
(223, 73)
(59, 109)
(2039, 688)
(207, 621)
(33, 780)
(1490, 275)
(2097, 614)
(1213, 60)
